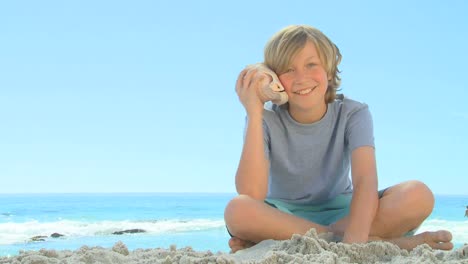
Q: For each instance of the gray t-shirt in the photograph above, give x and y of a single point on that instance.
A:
(310, 163)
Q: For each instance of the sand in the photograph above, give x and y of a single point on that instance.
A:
(308, 248)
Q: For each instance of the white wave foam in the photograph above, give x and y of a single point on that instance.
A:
(11, 233)
(459, 229)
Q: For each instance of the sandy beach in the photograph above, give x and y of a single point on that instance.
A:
(308, 248)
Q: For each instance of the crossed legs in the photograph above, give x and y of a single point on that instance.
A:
(402, 208)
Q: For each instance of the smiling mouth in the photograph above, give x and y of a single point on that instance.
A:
(305, 91)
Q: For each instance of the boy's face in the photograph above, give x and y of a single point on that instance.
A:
(306, 80)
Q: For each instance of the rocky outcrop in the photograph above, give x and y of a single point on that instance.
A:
(129, 231)
(55, 235)
(38, 238)
(43, 238)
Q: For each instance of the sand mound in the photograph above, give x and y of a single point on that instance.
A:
(309, 248)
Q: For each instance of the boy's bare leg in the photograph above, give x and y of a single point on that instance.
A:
(251, 221)
(402, 208)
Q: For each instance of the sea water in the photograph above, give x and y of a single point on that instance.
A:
(182, 219)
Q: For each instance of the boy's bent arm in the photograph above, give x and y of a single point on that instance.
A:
(364, 203)
(252, 173)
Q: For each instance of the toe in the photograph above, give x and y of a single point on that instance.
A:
(234, 241)
(234, 249)
(444, 236)
(236, 244)
(439, 240)
(445, 246)
(440, 236)
(441, 245)
(231, 242)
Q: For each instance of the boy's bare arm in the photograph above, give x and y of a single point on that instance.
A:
(252, 173)
(365, 198)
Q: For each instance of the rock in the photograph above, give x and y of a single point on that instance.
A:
(129, 231)
(55, 235)
(38, 238)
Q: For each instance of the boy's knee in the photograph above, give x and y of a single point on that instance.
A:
(238, 212)
(420, 196)
(237, 208)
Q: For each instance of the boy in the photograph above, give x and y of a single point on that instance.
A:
(294, 166)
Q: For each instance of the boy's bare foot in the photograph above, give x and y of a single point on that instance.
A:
(237, 244)
(436, 240)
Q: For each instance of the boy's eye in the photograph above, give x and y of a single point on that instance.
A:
(289, 70)
(310, 65)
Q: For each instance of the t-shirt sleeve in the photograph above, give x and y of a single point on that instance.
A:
(359, 128)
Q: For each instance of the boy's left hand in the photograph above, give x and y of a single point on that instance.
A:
(355, 237)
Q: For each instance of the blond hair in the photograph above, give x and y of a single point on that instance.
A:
(286, 43)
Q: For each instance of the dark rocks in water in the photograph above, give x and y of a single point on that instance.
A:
(38, 238)
(43, 238)
(129, 231)
(55, 235)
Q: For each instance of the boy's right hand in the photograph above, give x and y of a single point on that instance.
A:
(248, 83)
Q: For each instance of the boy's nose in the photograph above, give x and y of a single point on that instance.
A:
(299, 76)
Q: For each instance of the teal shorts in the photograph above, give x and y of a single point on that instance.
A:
(325, 213)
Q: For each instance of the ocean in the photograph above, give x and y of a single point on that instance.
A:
(182, 219)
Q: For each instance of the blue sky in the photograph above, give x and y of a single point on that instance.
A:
(138, 96)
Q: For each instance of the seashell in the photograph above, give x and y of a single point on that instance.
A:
(271, 88)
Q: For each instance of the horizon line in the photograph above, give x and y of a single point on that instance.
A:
(159, 192)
